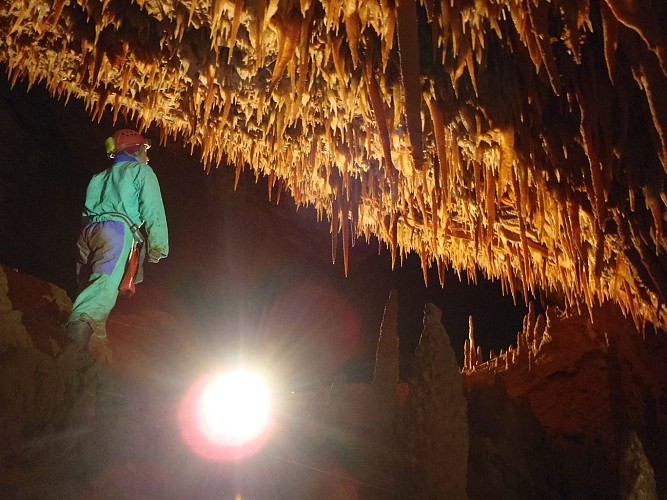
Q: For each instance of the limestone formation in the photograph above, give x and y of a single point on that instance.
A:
(598, 389)
(436, 433)
(524, 139)
(12, 331)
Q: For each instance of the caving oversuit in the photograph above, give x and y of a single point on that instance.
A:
(128, 191)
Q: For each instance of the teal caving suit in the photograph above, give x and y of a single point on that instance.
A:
(126, 190)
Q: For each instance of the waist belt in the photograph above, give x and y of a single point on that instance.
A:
(136, 230)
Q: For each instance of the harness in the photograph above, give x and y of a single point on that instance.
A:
(138, 236)
(133, 267)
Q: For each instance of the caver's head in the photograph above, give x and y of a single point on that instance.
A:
(130, 142)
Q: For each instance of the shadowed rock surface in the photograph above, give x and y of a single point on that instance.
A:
(113, 432)
(436, 427)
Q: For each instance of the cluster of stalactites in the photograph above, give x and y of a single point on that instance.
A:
(527, 140)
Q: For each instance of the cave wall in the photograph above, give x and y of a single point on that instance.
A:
(596, 386)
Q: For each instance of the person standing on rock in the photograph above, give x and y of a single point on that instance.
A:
(122, 204)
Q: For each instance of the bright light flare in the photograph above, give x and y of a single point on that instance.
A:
(234, 408)
(227, 417)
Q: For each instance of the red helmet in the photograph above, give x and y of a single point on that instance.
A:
(123, 139)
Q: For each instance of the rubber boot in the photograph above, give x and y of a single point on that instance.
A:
(99, 350)
(74, 357)
(79, 332)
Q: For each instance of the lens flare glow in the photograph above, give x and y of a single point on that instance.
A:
(227, 416)
(234, 408)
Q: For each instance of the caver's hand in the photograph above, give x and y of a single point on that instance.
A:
(154, 255)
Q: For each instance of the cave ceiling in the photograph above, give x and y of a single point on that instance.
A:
(522, 139)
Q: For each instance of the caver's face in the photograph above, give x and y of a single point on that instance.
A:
(143, 155)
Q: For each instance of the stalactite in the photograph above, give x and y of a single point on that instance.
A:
(345, 223)
(389, 26)
(353, 31)
(538, 14)
(510, 278)
(522, 253)
(236, 21)
(440, 140)
(304, 58)
(393, 237)
(408, 43)
(424, 263)
(290, 30)
(334, 230)
(378, 110)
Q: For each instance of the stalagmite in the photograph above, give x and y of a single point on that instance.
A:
(386, 373)
(436, 423)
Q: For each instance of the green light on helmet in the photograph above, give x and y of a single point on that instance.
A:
(110, 146)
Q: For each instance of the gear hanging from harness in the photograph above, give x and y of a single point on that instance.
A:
(127, 284)
(135, 259)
